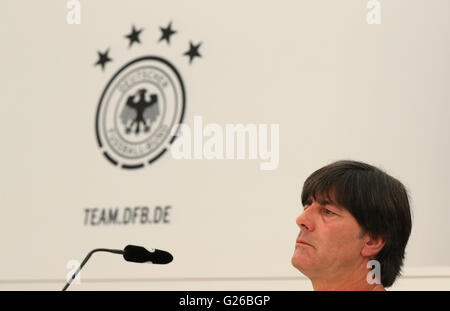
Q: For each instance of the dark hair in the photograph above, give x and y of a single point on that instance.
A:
(378, 202)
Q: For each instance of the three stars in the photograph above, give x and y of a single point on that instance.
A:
(133, 37)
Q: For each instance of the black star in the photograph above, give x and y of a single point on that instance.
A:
(134, 36)
(103, 58)
(166, 33)
(193, 51)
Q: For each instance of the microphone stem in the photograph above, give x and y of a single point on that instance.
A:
(115, 251)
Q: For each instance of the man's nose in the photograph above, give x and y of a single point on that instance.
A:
(304, 221)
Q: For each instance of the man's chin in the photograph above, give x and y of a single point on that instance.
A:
(301, 262)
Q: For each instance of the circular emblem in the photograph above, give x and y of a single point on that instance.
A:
(138, 108)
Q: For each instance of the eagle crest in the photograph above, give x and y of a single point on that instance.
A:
(139, 111)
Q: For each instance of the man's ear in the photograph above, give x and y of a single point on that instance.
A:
(372, 246)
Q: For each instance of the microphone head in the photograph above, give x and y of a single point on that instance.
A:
(135, 253)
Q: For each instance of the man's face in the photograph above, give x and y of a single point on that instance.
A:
(333, 237)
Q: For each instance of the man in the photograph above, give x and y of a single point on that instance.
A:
(356, 217)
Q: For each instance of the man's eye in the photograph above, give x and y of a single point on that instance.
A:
(328, 212)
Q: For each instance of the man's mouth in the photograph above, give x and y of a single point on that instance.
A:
(303, 242)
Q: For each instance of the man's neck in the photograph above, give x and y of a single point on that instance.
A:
(353, 280)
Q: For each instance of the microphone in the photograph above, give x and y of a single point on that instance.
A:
(135, 253)
(131, 253)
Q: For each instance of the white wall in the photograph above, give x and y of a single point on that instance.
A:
(338, 88)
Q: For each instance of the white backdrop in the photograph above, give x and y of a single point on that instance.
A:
(338, 88)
